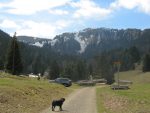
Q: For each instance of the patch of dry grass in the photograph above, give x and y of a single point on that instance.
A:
(134, 100)
(109, 102)
(26, 95)
(114, 103)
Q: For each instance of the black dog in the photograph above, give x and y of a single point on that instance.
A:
(58, 103)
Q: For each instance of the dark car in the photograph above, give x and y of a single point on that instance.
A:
(64, 81)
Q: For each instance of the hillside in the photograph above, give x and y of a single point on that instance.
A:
(134, 100)
(90, 42)
(26, 95)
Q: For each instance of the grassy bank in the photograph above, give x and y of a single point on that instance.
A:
(26, 95)
(134, 100)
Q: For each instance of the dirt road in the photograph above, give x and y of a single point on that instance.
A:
(81, 101)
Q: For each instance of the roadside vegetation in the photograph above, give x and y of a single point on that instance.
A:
(28, 95)
(134, 100)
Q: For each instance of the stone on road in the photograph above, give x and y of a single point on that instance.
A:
(81, 101)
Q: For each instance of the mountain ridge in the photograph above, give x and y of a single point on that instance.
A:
(90, 40)
(84, 37)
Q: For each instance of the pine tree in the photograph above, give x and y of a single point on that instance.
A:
(90, 69)
(54, 70)
(14, 63)
(1, 64)
(105, 68)
(134, 52)
(37, 65)
(68, 71)
(146, 63)
(81, 70)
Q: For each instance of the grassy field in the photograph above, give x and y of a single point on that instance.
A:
(26, 95)
(134, 100)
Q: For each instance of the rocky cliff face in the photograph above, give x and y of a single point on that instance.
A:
(94, 40)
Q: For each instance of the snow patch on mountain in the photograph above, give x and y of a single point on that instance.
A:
(83, 42)
(53, 42)
(99, 39)
(38, 44)
(34, 38)
(66, 38)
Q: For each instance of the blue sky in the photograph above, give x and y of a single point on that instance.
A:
(48, 18)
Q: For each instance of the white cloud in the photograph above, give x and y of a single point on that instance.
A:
(37, 29)
(60, 24)
(41, 29)
(128, 4)
(58, 12)
(28, 7)
(9, 24)
(89, 9)
(141, 5)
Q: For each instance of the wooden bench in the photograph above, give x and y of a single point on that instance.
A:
(86, 83)
(119, 87)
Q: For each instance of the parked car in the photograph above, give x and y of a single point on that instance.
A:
(64, 81)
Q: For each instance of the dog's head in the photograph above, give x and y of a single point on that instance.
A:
(62, 99)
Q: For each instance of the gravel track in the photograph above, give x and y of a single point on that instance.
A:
(80, 101)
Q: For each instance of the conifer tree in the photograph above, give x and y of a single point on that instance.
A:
(105, 68)
(1, 64)
(54, 70)
(37, 64)
(146, 63)
(14, 63)
(135, 55)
